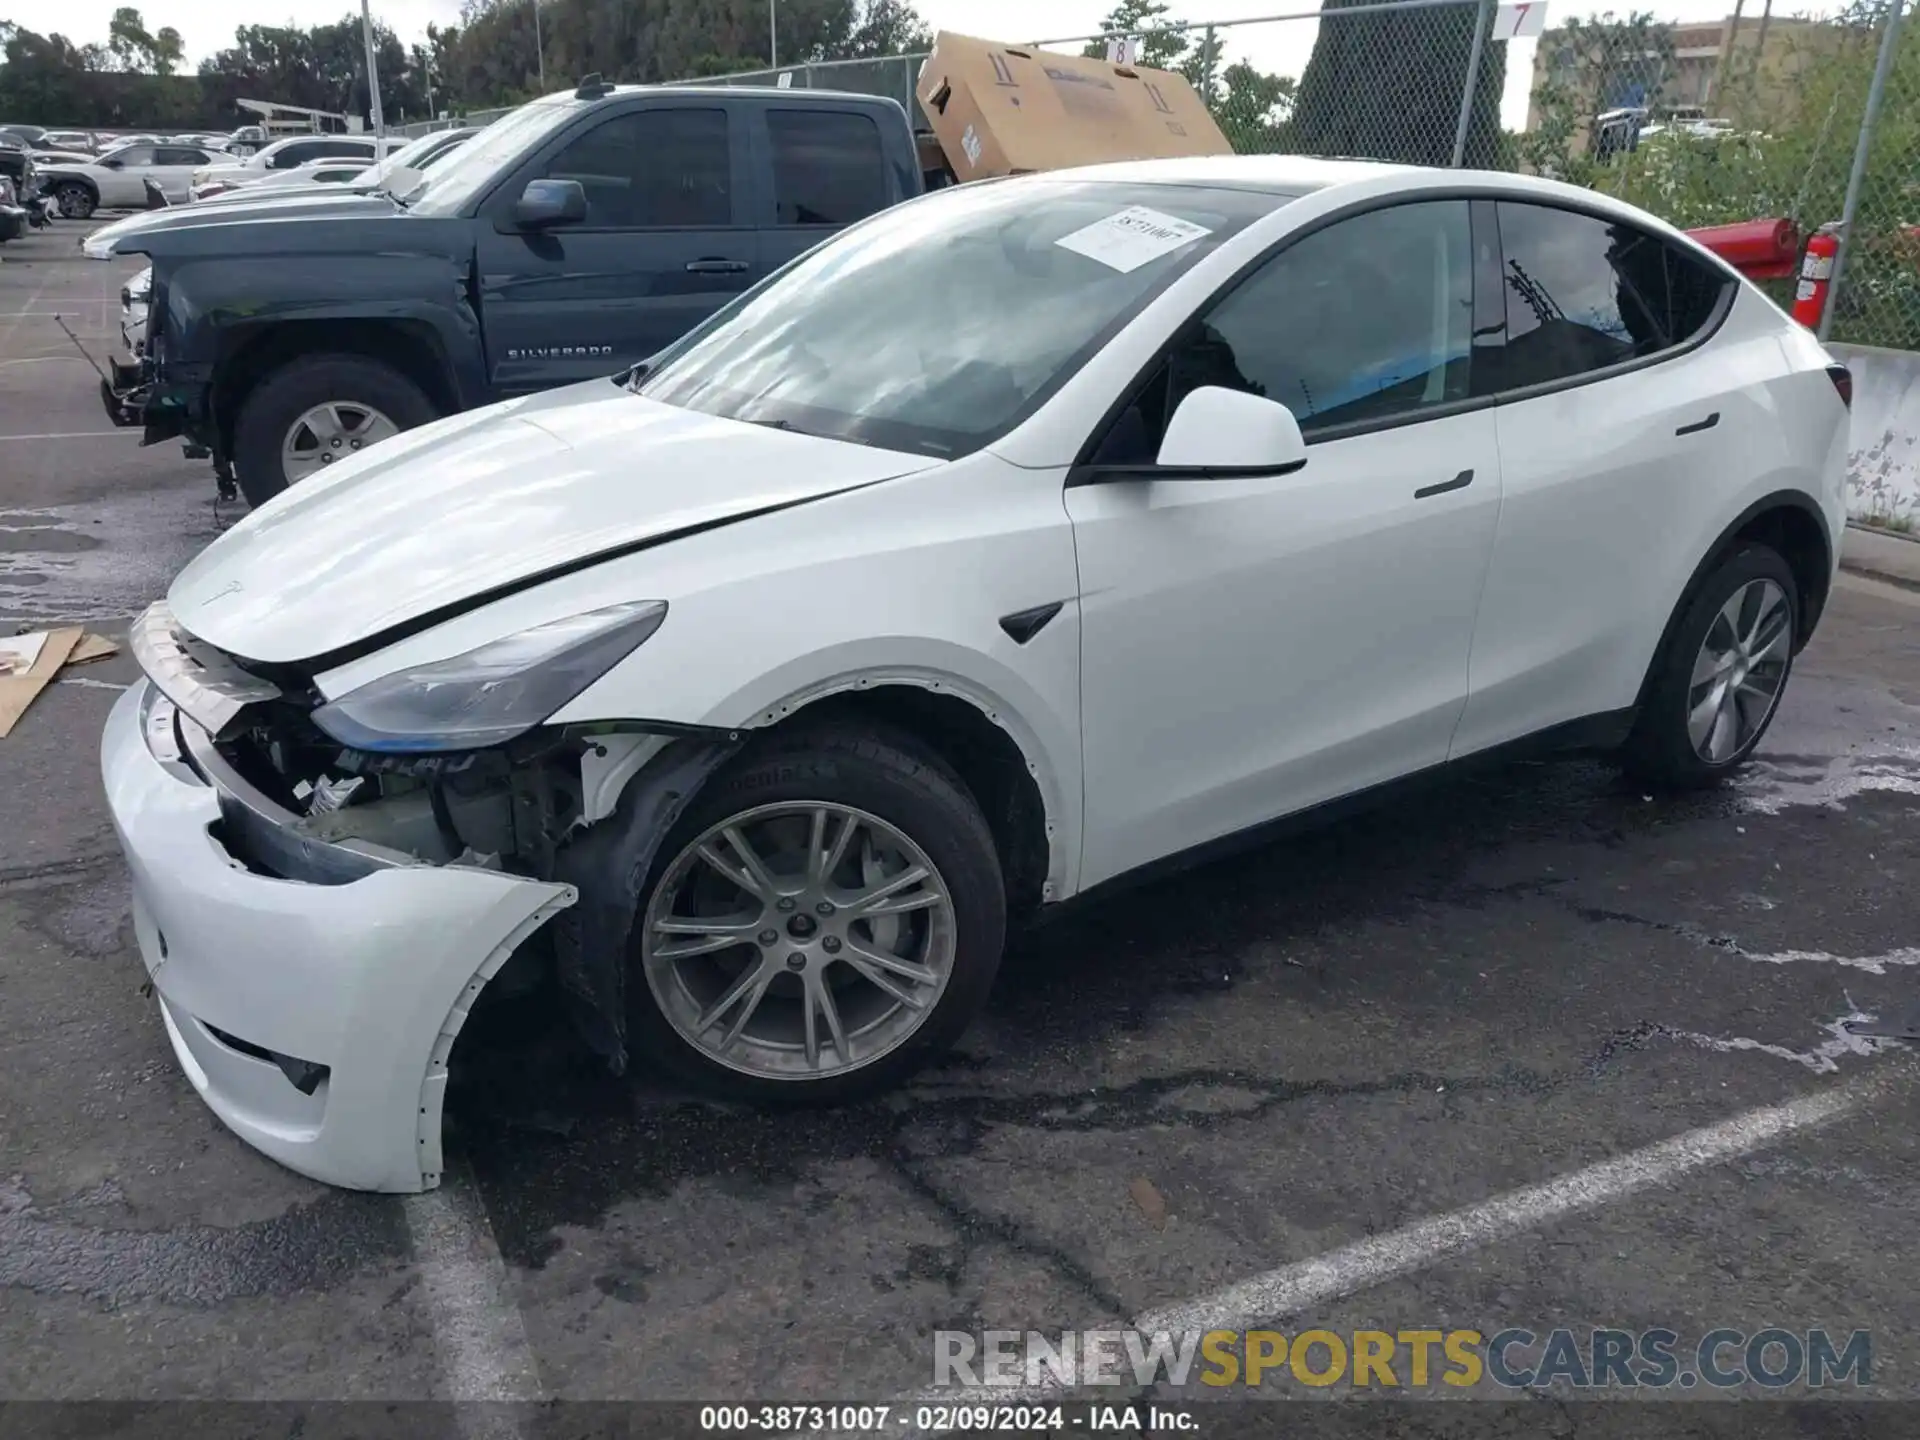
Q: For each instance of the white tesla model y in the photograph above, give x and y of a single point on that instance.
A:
(1022, 536)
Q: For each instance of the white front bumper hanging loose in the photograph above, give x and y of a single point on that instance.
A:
(314, 1013)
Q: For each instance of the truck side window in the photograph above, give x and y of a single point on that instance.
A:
(828, 167)
(653, 169)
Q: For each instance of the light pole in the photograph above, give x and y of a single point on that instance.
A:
(373, 77)
(539, 49)
(773, 34)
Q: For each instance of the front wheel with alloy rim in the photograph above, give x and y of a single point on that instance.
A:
(1720, 680)
(315, 412)
(825, 919)
(75, 201)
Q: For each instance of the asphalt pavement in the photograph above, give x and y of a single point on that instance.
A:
(1532, 1049)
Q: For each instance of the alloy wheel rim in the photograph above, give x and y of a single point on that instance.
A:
(73, 204)
(798, 941)
(329, 433)
(1739, 672)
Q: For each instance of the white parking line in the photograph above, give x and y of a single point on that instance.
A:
(69, 435)
(1294, 1289)
(477, 1329)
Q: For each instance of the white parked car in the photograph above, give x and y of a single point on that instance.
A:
(295, 151)
(259, 185)
(1017, 538)
(116, 180)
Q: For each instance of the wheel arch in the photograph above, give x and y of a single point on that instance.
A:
(998, 756)
(1791, 523)
(253, 355)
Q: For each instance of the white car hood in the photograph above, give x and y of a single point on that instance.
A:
(468, 504)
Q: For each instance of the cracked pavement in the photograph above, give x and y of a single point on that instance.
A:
(1464, 991)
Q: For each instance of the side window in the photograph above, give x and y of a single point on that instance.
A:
(294, 155)
(828, 167)
(652, 169)
(136, 155)
(1693, 293)
(1369, 319)
(1581, 295)
(330, 149)
(177, 155)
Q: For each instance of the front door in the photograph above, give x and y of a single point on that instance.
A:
(1251, 647)
(667, 240)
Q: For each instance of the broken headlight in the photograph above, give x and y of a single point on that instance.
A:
(493, 694)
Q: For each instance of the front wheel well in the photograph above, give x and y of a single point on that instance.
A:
(408, 346)
(985, 757)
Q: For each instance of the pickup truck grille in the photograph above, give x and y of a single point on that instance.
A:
(206, 684)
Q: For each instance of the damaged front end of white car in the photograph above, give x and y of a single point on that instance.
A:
(323, 888)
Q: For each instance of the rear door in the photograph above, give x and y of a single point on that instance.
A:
(825, 169)
(1618, 426)
(173, 167)
(668, 239)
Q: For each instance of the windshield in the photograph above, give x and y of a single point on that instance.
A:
(940, 325)
(474, 166)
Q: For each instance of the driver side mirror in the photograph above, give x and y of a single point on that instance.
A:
(113, 164)
(1221, 434)
(545, 203)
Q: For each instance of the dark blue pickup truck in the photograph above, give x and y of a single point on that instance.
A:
(574, 237)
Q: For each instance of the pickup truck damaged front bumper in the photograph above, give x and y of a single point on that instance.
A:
(135, 396)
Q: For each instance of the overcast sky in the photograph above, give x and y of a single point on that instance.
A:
(207, 25)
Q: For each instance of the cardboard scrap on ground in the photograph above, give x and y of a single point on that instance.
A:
(36, 661)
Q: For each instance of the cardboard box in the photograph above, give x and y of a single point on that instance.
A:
(1008, 109)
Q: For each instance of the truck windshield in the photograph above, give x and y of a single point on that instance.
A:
(477, 164)
(938, 326)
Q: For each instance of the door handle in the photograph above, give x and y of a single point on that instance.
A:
(715, 266)
(1458, 482)
(1699, 425)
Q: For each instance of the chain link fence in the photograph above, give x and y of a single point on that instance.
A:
(1756, 115)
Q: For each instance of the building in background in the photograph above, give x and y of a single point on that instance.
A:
(1742, 70)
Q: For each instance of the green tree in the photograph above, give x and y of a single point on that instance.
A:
(1387, 86)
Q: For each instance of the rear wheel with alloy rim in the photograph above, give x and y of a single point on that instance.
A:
(1721, 679)
(826, 919)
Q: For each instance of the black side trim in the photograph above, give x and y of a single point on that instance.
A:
(1023, 625)
(305, 670)
(1590, 734)
(1699, 425)
(1102, 474)
(1458, 482)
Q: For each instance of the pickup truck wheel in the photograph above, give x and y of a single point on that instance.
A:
(316, 412)
(826, 918)
(76, 201)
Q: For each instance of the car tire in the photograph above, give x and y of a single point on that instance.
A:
(277, 405)
(1751, 602)
(75, 200)
(854, 770)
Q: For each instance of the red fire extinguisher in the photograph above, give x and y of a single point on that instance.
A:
(1816, 276)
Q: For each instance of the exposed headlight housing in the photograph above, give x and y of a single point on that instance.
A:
(494, 693)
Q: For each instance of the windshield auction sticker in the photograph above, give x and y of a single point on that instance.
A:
(1129, 239)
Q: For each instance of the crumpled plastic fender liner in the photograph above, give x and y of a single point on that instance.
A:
(609, 865)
